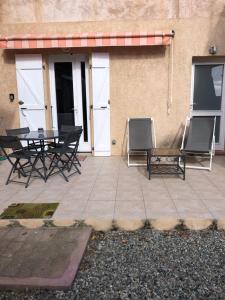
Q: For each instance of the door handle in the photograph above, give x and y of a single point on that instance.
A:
(23, 112)
(103, 106)
(23, 108)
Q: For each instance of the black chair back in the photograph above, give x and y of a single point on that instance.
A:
(200, 134)
(10, 142)
(17, 131)
(72, 137)
(68, 128)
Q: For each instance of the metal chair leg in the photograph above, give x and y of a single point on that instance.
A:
(33, 168)
(12, 170)
(56, 165)
(70, 160)
(61, 169)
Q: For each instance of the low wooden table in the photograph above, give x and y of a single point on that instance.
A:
(165, 161)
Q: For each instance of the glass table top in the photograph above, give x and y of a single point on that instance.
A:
(39, 135)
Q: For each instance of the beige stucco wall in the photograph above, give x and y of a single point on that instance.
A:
(42, 11)
(8, 111)
(139, 76)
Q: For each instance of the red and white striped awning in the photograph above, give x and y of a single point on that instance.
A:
(30, 41)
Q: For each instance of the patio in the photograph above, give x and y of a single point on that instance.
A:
(108, 192)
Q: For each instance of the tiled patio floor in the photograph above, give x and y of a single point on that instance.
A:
(108, 189)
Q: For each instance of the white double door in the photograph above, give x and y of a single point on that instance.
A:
(70, 95)
(69, 91)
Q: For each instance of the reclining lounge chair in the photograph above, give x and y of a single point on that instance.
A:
(199, 139)
(141, 137)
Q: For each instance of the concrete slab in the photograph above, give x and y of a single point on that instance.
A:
(41, 258)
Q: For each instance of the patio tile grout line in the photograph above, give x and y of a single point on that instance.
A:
(100, 168)
(178, 213)
(92, 188)
(10, 196)
(207, 180)
(211, 182)
(211, 212)
(117, 183)
(218, 188)
(142, 197)
(200, 199)
(39, 195)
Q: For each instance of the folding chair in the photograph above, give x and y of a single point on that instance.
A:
(65, 129)
(199, 139)
(19, 153)
(23, 130)
(30, 146)
(65, 150)
(141, 138)
(78, 130)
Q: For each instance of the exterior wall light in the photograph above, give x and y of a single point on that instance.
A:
(212, 49)
(11, 97)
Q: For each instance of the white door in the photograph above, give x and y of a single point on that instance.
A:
(30, 91)
(69, 94)
(208, 96)
(101, 104)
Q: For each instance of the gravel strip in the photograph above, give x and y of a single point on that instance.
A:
(146, 264)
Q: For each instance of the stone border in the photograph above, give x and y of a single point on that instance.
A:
(128, 224)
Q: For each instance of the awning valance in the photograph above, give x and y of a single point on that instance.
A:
(32, 41)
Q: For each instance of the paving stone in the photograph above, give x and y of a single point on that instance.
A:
(221, 224)
(48, 257)
(164, 223)
(63, 222)
(197, 223)
(4, 246)
(31, 223)
(18, 234)
(129, 224)
(3, 231)
(4, 223)
(99, 224)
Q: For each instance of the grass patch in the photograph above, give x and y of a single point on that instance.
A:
(29, 211)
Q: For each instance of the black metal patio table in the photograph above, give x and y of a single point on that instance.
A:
(41, 137)
(165, 161)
